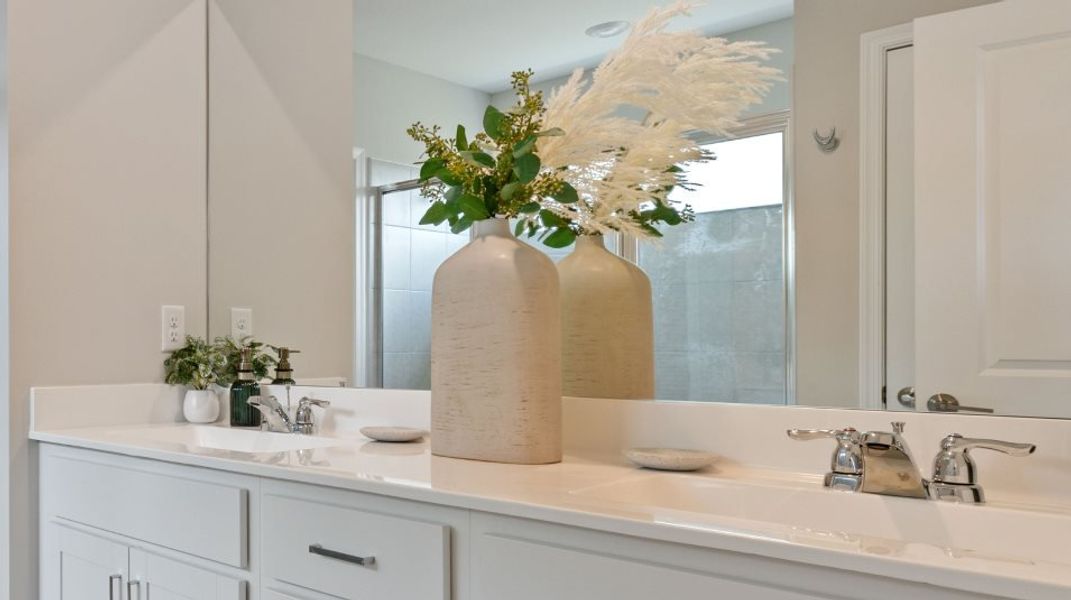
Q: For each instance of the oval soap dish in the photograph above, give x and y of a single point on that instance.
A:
(670, 459)
(393, 434)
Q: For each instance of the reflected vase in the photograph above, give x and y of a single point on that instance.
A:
(496, 352)
(607, 324)
(200, 406)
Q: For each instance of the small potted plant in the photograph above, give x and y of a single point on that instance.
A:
(231, 350)
(197, 366)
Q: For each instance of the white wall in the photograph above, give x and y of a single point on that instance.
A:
(389, 98)
(107, 205)
(826, 94)
(281, 203)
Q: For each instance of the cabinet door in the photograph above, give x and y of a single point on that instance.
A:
(83, 567)
(159, 578)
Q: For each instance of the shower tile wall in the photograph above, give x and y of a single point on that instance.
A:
(410, 255)
(719, 308)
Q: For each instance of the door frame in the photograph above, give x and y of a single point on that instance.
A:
(873, 48)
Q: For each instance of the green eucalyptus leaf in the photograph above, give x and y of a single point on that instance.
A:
(461, 225)
(430, 168)
(492, 122)
(510, 190)
(436, 213)
(567, 194)
(461, 141)
(526, 168)
(529, 208)
(448, 177)
(562, 237)
(551, 220)
(552, 132)
(524, 146)
(473, 207)
(478, 159)
(518, 229)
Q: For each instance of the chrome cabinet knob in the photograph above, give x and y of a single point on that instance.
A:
(941, 402)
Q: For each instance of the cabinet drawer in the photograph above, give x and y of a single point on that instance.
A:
(200, 518)
(406, 559)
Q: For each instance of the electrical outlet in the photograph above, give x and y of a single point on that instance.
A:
(241, 323)
(172, 327)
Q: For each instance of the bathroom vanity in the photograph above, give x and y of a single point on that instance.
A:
(136, 505)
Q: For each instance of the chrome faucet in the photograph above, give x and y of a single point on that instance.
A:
(880, 462)
(276, 418)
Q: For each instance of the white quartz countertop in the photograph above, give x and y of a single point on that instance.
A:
(775, 514)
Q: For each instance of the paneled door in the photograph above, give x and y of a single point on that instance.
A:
(86, 568)
(993, 206)
(159, 578)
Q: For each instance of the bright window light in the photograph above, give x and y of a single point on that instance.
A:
(747, 172)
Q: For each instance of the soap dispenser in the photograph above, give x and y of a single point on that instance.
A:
(242, 414)
(284, 374)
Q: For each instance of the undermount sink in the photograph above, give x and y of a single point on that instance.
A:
(853, 521)
(233, 440)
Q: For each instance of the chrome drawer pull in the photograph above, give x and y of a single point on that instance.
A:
(365, 561)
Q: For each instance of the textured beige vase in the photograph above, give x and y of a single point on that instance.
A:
(495, 350)
(607, 324)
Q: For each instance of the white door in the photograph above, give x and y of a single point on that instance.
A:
(993, 206)
(154, 577)
(899, 225)
(85, 567)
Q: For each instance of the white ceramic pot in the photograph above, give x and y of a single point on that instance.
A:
(201, 406)
(607, 324)
(496, 352)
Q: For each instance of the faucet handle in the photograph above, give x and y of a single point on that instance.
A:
(306, 402)
(955, 476)
(955, 442)
(847, 457)
(303, 422)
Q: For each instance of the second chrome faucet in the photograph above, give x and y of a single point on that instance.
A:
(879, 462)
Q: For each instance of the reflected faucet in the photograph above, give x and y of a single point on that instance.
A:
(276, 418)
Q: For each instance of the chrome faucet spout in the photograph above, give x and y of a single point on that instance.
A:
(888, 467)
(275, 417)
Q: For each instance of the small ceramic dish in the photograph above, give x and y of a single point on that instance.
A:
(670, 459)
(393, 434)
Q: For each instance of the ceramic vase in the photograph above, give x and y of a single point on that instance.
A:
(200, 406)
(607, 324)
(495, 350)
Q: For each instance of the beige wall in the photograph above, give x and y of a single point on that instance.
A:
(281, 203)
(826, 94)
(107, 204)
(109, 190)
(388, 99)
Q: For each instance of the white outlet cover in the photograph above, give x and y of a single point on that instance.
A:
(172, 327)
(241, 322)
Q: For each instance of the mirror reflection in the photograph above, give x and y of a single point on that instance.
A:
(811, 274)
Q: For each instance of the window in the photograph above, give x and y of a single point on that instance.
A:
(718, 284)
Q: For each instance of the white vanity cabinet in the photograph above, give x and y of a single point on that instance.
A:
(116, 527)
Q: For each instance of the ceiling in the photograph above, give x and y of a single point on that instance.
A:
(477, 43)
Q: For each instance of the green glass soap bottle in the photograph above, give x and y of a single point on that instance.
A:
(243, 415)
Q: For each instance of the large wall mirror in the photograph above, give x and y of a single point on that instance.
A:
(813, 274)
